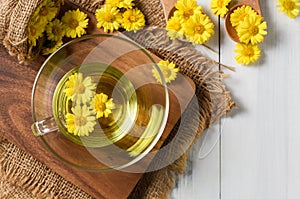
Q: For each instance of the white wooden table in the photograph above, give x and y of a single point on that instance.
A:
(258, 153)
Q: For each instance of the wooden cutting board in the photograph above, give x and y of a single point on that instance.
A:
(15, 120)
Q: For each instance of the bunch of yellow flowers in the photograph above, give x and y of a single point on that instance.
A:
(290, 7)
(117, 14)
(44, 24)
(44, 13)
(251, 29)
(189, 22)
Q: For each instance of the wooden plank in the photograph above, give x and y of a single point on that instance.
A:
(260, 153)
(201, 179)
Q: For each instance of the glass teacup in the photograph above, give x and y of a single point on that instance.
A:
(97, 105)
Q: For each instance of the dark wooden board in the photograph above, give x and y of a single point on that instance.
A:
(15, 120)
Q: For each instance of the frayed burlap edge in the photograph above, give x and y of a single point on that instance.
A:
(8, 189)
(31, 177)
(12, 191)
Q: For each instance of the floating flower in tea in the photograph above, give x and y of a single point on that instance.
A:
(102, 105)
(79, 89)
(81, 121)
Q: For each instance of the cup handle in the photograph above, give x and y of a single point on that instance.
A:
(43, 127)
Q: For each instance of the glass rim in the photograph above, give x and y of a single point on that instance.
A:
(165, 112)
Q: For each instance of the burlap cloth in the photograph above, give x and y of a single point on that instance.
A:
(22, 176)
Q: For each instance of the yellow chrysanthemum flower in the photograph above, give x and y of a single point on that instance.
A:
(78, 89)
(290, 7)
(133, 19)
(35, 31)
(102, 105)
(127, 4)
(109, 18)
(239, 14)
(252, 29)
(75, 23)
(219, 7)
(53, 48)
(55, 30)
(168, 70)
(174, 28)
(186, 9)
(246, 53)
(199, 29)
(81, 121)
(45, 12)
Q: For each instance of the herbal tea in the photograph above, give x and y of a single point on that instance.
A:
(96, 105)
